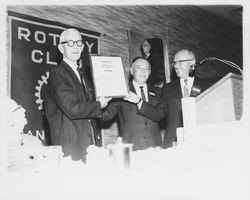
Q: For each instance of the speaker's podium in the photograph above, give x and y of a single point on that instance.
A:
(222, 101)
(215, 139)
(215, 115)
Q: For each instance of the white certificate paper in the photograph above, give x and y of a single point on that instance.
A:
(108, 76)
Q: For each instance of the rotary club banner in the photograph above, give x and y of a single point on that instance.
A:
(32, 53)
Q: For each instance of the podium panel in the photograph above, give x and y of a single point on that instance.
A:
(223, 101)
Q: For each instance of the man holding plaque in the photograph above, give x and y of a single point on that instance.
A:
(70, 107)
(136, 128)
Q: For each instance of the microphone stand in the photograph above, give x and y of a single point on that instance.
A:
(230, 63)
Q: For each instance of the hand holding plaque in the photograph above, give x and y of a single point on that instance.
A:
(104, 101)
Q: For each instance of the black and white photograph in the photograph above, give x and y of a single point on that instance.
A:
(124, 100)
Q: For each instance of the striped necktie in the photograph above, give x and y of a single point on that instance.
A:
(185, 89)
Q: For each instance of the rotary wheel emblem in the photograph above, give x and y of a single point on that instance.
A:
(41, 82)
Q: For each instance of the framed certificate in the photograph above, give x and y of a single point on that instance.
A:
(108, 76)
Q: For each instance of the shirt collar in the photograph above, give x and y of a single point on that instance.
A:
(138, 85)
(190, 81)
(147, 55)
(70, 63)
(188, 78)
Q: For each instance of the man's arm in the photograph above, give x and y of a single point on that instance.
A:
(154, 112)
(67, 99)
(111, 110)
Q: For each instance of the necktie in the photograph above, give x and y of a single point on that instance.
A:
(186, 91)
(142, 94)
(80, 74)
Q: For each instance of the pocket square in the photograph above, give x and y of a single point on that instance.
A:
(151, 93)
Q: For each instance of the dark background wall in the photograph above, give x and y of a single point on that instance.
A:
(182, 26)
(207, 35)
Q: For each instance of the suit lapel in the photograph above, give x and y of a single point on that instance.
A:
(72, 73)
(196, 89)
(150, 99)
(131, 87)
(177, 89)
(88, 85)
(150, 96)
(88, 91)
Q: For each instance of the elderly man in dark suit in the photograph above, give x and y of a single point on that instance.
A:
(186, 85)
(135, 127)
(70, 107)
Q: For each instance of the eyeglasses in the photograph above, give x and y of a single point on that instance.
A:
(71, 43)
(142, 69)
(180, 61)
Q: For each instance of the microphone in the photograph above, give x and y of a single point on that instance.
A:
(194, 66)
(227, 62)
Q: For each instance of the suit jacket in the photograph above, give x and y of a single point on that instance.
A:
(70, 111)
(171, 96)
(135, 128)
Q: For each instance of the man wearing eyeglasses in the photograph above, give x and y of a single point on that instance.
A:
(135, 127)
(70, 107)
(186, 85)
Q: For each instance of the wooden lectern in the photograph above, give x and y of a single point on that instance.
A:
(221, 102)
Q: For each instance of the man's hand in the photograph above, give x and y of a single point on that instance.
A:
(132, 97)
(104, 101)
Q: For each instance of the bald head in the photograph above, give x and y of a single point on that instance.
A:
(140, 59)
(65, 34)
(185, 54)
